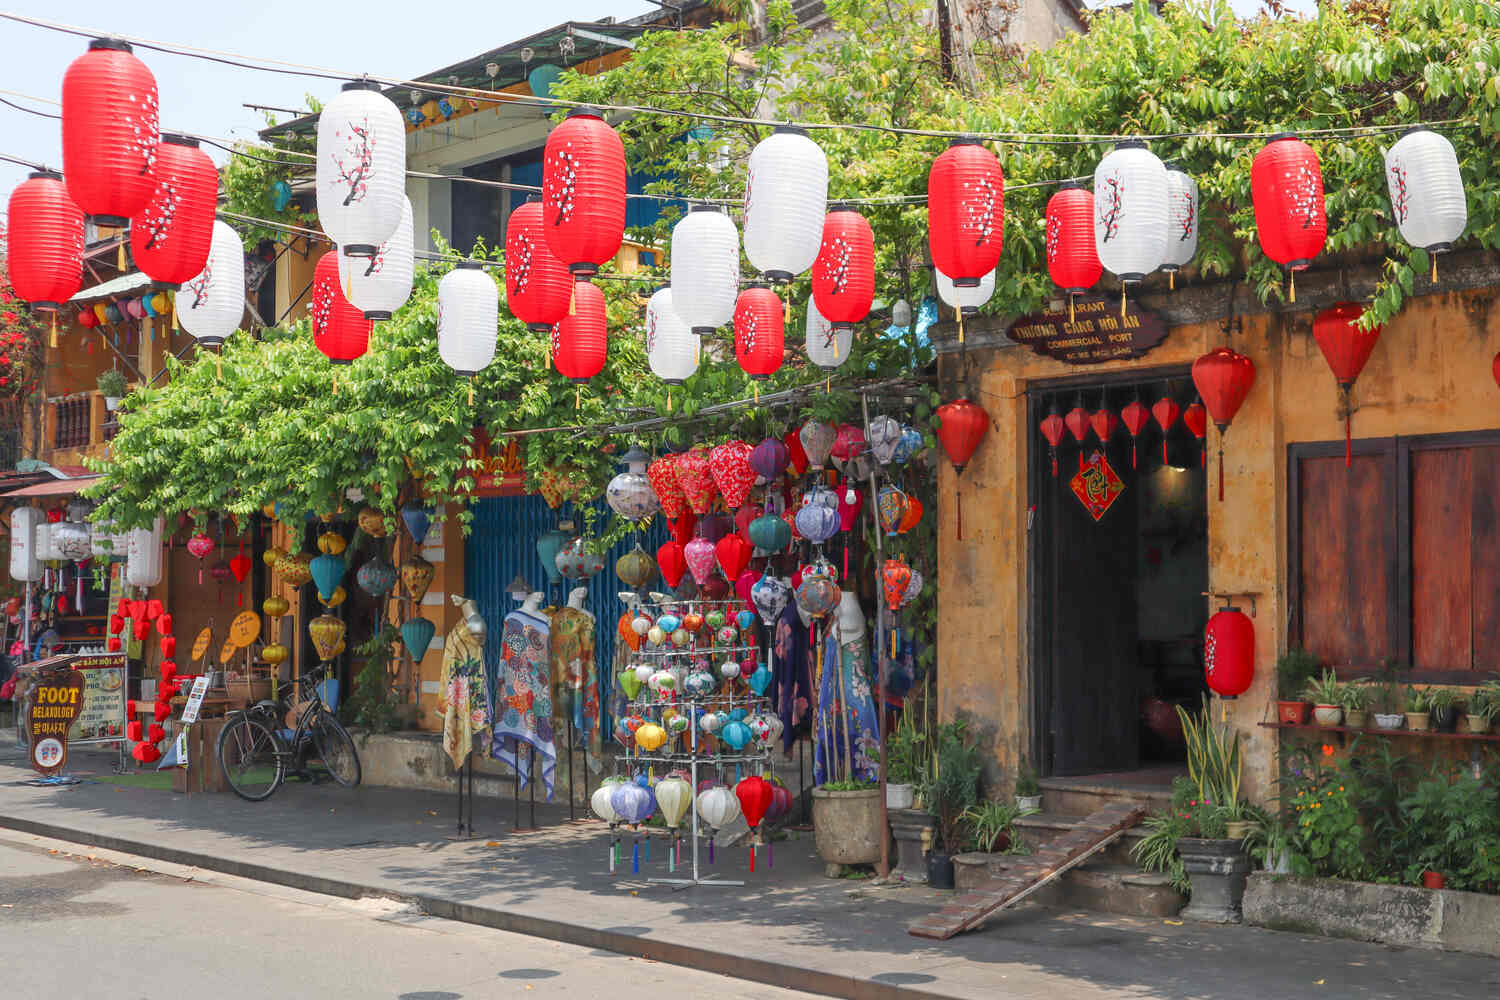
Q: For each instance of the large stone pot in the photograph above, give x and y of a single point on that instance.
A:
(1217, 869)
(847, 826)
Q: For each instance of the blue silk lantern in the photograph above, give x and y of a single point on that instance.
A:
(541, 79)
(327, 571)
(745, 619)
(547, 548)
(376, 577)
(817, 522)
(909, 445)
(418, 521)
(281, 195)
(632, 803)
(735, 734)
(761, 679)
(416, 635)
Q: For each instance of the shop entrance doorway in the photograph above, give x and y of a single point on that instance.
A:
(1119, 557)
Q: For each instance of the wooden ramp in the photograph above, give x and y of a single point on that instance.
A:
(1092, 834)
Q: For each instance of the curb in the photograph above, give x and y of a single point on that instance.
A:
(742, 967)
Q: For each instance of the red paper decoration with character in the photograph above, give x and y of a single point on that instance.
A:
(44, 241)
(110, 132)
(843, 275)
(1229, 652)
(170, 237)
(580, 340)
(759, 331)
(538, 286)
(340, 329)
(966, 212)
(583, 191)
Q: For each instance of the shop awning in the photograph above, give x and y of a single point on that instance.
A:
(134, 283)
(54, 488)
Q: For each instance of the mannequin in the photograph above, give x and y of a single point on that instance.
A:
(533, 603)
(851, 618)
(473, 620)
(463, 691)
(848, 728)
(576, 597)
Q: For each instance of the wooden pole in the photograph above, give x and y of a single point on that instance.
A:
(880, 658)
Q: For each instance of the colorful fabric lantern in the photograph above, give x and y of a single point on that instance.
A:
(827, 347)
(729, 464)
(1053, 429)
(1104, 422)
(770, 595)
(44, 241)
(848, 443)
(663, 476)
(381, 285)
(796, 454)
(759, 332)
(817, 440)
(1195, 419)
(340, 329)
(851, 502)
(583, 191)
(468, 307)
(580, 340)
(538, 285)
(1182, 222)
(1286, 186)
(914, 511)
(632, 803)
(577, 560)
(361, 168)
(966, 212)
(1072, 259)
(1130, 211)
(1134, 416)
(733, 554)
(547, 548)
(911, 442)
(635, 568)
(1229, 652)
(718, 807)
(1427, 191)
(672, 348)
(965, 301)
(818, 594)
(85, 318)
(701, 556)
(1346, 347)
(1223, 378)
(962, 424)
(671, 559)
(695, 479)
(1165, 411)
(770, 533)
(705, 269)
(754, 794)
(109, 132)
(327, 634)
(884, 434)
(171, 235)
(376, 577)
(673, 796)
(843, 275)
(786, 195)
(143, 555)
(895, 576)
(769, 459)
(891, 502)
(817, 522)
(327, 571)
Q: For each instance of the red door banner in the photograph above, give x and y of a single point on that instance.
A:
(1096, 485)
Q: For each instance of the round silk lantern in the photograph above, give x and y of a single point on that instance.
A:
(729, 464)
(327, 633)
(705, 269)
(700, 555)
(583, 191)
(577, 561)
(600, 803)
(376, 577)
(1072, 259)
(1229, 652)
(1182, 222)
(580, 340)
(1346, 347)
(1130, 211)
(735, 734)
(818, 595)
(966, 211)
(109, 131)
(210, 304)
(671, 559)
(770, 533)
(340, 330)
(786, 195)
(673, 796)
(696, 480)
(817, 442)
(962, 424)
(468, 307)
(843, 275)
(44, 241)
(769, 459)
(1286, 186)
(663, 476)
(816, 522)
(171, 235)
(848, 443)
(361, 168)
(718, 807)
(382, 284)
(759, 332)
(538, 285)
(1134, 416)
(827, 347)
(1223, 378)
(671, 347)
(1427, 191)
(913, 516)
(629, 493)
(755, 796)
(632, 803)
(635, 568)
(965, 300)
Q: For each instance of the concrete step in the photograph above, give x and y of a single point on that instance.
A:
(1038, 828)
(1075, 797)
(1102, 886)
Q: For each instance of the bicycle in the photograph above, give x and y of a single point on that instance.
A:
(254, 755)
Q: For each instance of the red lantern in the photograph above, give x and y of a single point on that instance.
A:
(1134, 416)
(169, 646)
(1072, 259)
(672, 563)
(684, 528)
(1223, 378)
(733, 554)
(796, 455)
(1229, 652)
(580, 340)
(1346, 347)
(755, 795)
(583, 191)
(87, 319)
(1195, 419)
(1053, 430)
(966, 212)
(171, 235)
(1077, 422)
(340, 329)
(1495, 368)
(538, 287)
(843, 276)
(1165, 411)
(1286, 185)
(961, 426)
(1104, 422)
(759, 333)
(44, 241)
(109, 132)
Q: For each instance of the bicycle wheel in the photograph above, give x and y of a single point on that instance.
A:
(336, 749)
(251, 757)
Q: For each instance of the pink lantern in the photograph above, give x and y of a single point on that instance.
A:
(701, 557)
(729, 464)
(743, 586)
(848, 442)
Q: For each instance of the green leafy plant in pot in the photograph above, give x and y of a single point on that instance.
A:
(905, 760)
(1386, 696)
(1294, 670)
(1418, 708)
(1442, 708)
(991, 828)
(1482, 707)
(1324, 694)
(1028, 788)
(112, 387)
(1354, 699)
(950, 789)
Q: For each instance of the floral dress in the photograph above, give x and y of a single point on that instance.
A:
(575, 671)
(463, 694)
(848, 728)
(523, 697)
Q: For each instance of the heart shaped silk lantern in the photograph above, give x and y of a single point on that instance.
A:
(817, 442)
(770, 596)
(663, 476)
(696, 480)
(733, 554)
(671, 559)
(700, 555)
(769, 459)
(1223, 378)
(729, 464)
(883, 434)
(199, 546)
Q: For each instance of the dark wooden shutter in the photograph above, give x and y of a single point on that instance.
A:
(1455, 568)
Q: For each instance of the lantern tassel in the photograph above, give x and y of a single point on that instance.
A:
(1291, 284)
(53, 341)
(1434, 268)
(1348, 438)
(1221, 468)
(1054, 463)
(635, 857)
(471, 390)
(958, 498)
(1122, 301)
(573, 300)
(1132, 453)
(752, 856)
(120, 261)
(173, 310)
(1171, 281)
(960, 326)
(1072, 317)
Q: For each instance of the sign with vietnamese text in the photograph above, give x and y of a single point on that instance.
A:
(101, 718)
(56, 701)
(1096, 332)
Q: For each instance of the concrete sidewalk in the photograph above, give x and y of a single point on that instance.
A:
(787, 926)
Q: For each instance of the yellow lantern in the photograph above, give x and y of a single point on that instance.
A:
(295, 570)
(275, 654)
(331, 543)
(372, 522)
(271, 556)
(327, 635)
(275, 606)
(416, 574)
(337, 597)
(650, 737)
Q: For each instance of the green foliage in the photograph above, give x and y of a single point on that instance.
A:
(1026, 780)
(849, 785)
(906, 750)
(989, 822)
(1157, 850)
(111, 382)
(953, 786)
(249, 179)
(1455, 825)
(1418, 699)
(1324, 690)
(1326, 832)
(372, 705)
(1213, 757)
(1294, 669)
(1485, 701)
(1354, 696)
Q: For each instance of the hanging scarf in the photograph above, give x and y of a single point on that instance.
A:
(575, 671)
(462, 694)
(793, 677)
(847, 732)
(522, 710)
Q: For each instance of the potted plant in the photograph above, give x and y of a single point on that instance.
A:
(904, 749)
(1442, 707)
(1323, 692)
(1294, 669)
(950, 788)
(1028, 789)
(1482, 707)
(1418, 709)
(1387, 697)
(1354, 699)
(847, 827)
(112, 388)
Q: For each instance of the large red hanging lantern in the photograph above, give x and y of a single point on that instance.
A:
(1053, 430)
(1195, 419)
(340, 329)
(1346, 347)
(759, 331)
(1134, 416)
(538, 287)
(966, 212)
(580, 340)
(109, 132)
(583, 191)
(170, 237)
(961, 426)
(44, 241)
(672, 562)
(1223, 379)
(843, 276)
(1077, 422)
(1165, 412)
(1072, 258)
(1229, 652)
(1286, 186)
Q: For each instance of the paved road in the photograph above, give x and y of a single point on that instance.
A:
(91, 924)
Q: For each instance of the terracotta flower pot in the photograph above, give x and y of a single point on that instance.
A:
(1434, 880)
(1292, 712)
(1356, 718)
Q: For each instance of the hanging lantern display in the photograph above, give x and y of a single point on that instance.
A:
(1134, 416)
(884, 434)
(583, 191)
(635, 568)
(966, 211)
(695, 479)
(1346, 347)
(914, 510)
(816, 521)
(827, 347)
(759, 332)
(891, 503)
(1223, 379)
(327, 572)
(818, 594)
(170, 236)
(671, 559)
(718, 807)
(733, 555)
(580, 340)
(1229, 652)
(25, 559)
(361, 168)
(817, 440)
(416, 636)
(965, 300)
(468, 306)
(376, 577)
(340, 330)
(1286, 186)
(1053, 430)
(44, 241)
(538, 285)
(1165, 411)
(1130, 211)
(86, 317)
(143, 555)
(210, 304)
(786, 196)
(1072, 259)
(705, 269)
(770, 595)
(962, 424)
(547, 548)
(672, 349)
(110, 132)
(843, 275)
(1182, 222)
(729, 464)
(755, 796)
(629, 493)
(1427, 191)
(382, 284)
(1195, 419)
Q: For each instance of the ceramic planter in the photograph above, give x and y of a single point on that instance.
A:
(1356, 718)
(1217, 870)
(112, 403)
(1239, 829)
(1418, 721)
(847, 826)
(1029, 803)
(1328, 715)
(1476, 724)
(898, 795)
(1292, 713)
(1389, 720)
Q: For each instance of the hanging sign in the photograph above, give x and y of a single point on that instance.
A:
(200, 644)
(1096, 486)
(245, 629)
(195, 700)
(503, 466)
(1096, 333)
(56, 701)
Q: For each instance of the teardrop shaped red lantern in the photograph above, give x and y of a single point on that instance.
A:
(966, 212)
(538, 286)
(1134, 416)
(1223, 379)
(170, 237)
(1286, 185)
(86, 317)
(755, 794)
(340, 329)
(1346, 347)
(1072, 259)
(580, 340)
(733, 554)
(796, 455)
(583, 191)
(672, 563)
(1165, 412)
(1104, 422)
(1195, 419)
(1077, 422)
(109, 132)
(44, 241)
(759, 331)
(1053, 430)
(843, 276)
(1229, 652)
(961, 426)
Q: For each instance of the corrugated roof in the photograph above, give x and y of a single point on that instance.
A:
(134, 283)
(54, 488)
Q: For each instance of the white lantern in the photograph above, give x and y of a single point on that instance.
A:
(468, 318)
(671, 347)
(705, 268)
(46, 546)
(1182, 219)
(361, 168)
(381, 284)
(967, 300)
(143, 556)
(1427, 190)
(826, 347)
(71, 540)
(25, 564)
(786, 198)
(211, 305)
(718, 806)
(1130, 211)
(105, 543)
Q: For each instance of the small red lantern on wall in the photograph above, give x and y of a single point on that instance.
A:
(583, 191)
(1134, 416)
(1077, 422)
(44, 241)
(759, 331)
(1223, 378)
(109, 131)
(1072, 259)
(538, 287)
(1346, 347)
(170, 237)
(1104, 422)
(580, 341)
(1165, 412)
(961, 426)
(843, 276)
(340, 329)
(1195, 419)
(1286, 186)
(966, 212)
(1053, 430)
(1229, 652)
